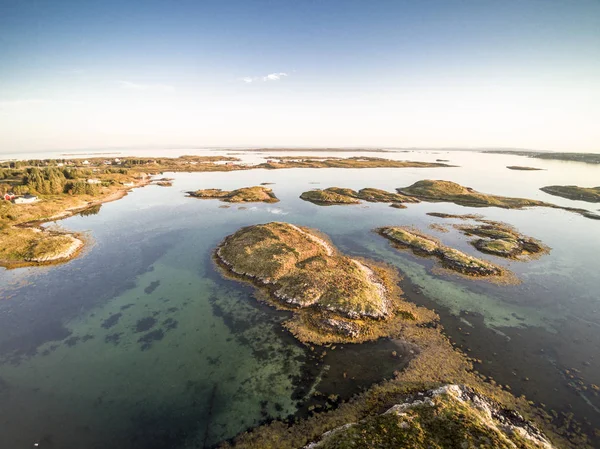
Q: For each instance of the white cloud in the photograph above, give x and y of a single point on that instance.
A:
(274, 76)
(270, 77)
(145, 87)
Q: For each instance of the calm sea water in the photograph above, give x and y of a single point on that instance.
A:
(141, 343)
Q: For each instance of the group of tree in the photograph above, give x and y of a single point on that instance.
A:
(54, 181)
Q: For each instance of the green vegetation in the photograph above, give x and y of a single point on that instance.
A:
(338, 195)
(243, 195)
(524, 168)
(30, 246)
(451, 258)
(303, 271)
(589, 194)
(451, 417)
(62, 190)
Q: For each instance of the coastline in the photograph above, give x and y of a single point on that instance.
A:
(78, 240)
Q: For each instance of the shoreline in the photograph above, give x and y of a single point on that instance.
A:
(78, 244)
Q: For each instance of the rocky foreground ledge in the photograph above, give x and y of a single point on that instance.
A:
(302, 271)
(451, 416)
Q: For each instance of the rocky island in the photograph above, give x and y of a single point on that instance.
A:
(338, 195)
(502, 240)
(424, 245)
(301, 271)
(447, 191)
(589, 194)
(451, 192)
(257, 194)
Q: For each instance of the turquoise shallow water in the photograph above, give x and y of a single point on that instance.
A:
(141, 343)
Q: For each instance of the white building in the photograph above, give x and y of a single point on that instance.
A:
(93, 181)
(25, 199)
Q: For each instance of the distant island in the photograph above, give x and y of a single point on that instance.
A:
(589, 194)
(447, 191)
(523, 168)
(337, 195)
(588, 158)
(257, 194)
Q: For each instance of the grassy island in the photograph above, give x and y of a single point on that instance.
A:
(302, 271)
(451, 192)
(424, 245)
(447, 191)
(257, 194)
(589, 194)
(502, 240)
(338, 195)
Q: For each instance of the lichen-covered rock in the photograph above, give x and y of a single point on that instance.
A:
(452, 416)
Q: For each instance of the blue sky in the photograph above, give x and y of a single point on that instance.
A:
(83, 74)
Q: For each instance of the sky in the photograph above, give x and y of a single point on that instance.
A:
(304, 73)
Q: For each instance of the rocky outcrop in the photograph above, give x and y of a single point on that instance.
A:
(451, 258)
(449, 416)
(502, 240)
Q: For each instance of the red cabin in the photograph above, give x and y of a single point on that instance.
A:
(9, 196)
